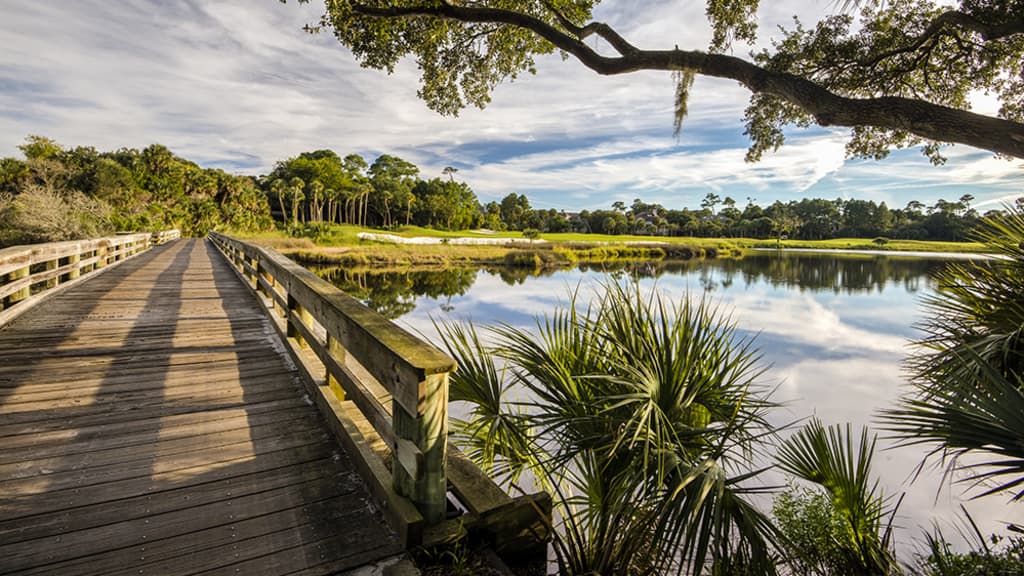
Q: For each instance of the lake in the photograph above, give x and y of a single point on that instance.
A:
(834, 328)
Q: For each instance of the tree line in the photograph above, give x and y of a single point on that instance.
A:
(59, 193)
(806, 219)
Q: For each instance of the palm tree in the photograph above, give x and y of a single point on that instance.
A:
(278, 187)
(967, 391)
(295, 186)
(828, 458)
(640, 417)
(316, 207)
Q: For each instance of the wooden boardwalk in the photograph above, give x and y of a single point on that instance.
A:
(151, 423)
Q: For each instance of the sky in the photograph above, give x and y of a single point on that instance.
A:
(238, 85)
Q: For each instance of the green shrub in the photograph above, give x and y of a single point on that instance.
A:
(812, 529)
(999, 559)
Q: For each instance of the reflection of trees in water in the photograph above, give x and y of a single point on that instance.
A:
(394, 293)
(837, 274)
(814, 272)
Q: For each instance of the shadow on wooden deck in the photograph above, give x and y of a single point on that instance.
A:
(151, 423)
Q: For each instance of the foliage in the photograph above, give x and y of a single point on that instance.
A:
(978, 306)
(968, 392)
(828, 458)
(806, 219)
(641, 417)
(972, 409)
(41, 214)
(58, 194)
(320, 186)
(906, 48)
(898, 74)
(813, 530)
(993, 558)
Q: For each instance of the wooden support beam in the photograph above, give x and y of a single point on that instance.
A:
(22, 293)
(428, 432)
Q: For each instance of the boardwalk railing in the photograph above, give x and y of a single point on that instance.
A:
(28, 272)
(387, 393)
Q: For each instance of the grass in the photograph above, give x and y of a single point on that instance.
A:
(341, 245)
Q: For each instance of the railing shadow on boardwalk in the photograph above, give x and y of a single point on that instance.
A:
(203, 460)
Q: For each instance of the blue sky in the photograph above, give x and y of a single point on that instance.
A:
(238, 85)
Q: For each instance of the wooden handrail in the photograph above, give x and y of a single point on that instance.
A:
(28, 272)
(403, 370)
(384, 393)
(165, 236)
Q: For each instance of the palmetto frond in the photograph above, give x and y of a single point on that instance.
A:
(639, 416)
(829, 458)
(982, 413)
(968, 395)
(978, 305)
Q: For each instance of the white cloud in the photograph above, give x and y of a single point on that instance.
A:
(237, 83)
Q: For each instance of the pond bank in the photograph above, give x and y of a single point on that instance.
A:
(546, 255)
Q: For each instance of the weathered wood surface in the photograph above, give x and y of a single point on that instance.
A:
(411, 374)
(150, 423)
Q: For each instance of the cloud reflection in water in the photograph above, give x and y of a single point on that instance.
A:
(834, 330)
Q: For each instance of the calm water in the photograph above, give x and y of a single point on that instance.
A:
(834, 329)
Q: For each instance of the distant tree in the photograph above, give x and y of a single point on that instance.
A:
(296, 195)
(710, 201)
(40, 148)
(514, 208)
(278, 189)
(392, 179)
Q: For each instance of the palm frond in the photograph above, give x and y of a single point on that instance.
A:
(982, 414)
(829, 458)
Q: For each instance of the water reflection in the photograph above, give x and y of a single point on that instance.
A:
(394, 293)
(833, 328)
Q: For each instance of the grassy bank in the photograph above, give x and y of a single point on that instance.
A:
(340, 245)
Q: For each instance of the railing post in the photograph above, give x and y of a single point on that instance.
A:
(52, 265)
(296, 313)
(253, 276)
(335, 349)
(22, 294)
(101, 257)
(428, 431)
(76, 271)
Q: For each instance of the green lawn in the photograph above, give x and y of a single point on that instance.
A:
(345, 235)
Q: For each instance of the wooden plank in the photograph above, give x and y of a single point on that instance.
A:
(84, 418)
(473, 488)
(99, 391)
(156, 484)
(169, 556)
(21, 555)
(89, 476)
(158, 448)
(14, 447)
(180, 495)
(145, 400)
